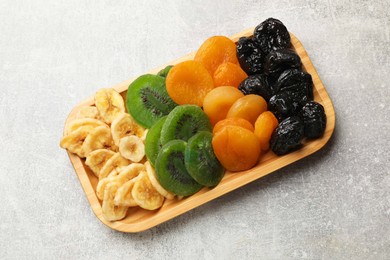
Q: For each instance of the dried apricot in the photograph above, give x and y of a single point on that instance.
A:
(218, 101)
(264, 127)
(215, 51)
(233, 121)
(229, 74)
(236, 148)
(188, 83)
(248, 107)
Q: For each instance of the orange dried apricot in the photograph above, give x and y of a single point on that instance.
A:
(215, 51)
(188, 83)
(264, 127)
(218, 101)
(248, 107)
(229, 74)
(236, 148)
(233, 121)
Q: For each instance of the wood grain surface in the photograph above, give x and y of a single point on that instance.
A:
(138, 219)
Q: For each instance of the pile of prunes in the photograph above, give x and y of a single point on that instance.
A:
(275, 73)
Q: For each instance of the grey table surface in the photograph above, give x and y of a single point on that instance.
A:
(334, 204)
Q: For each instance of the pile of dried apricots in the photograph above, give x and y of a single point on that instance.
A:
(224, 109)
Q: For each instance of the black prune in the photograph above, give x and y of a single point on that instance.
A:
(256, 84)
(314, 119)
(297, 81)
(278, 61)
(272, 35)
(249, 55)
(287, 136)
(283, 105)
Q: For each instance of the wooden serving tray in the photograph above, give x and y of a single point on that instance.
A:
(138, 219)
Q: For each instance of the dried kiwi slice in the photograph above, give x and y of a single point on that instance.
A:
(152, 141)
(184, 122)
(171, 171)
(200, 160)
(147, 99)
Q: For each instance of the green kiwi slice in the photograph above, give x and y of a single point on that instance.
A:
(164, 72)
(183, 122)
(147, 99)
(171, 171)
(152, 141)
(200, 160)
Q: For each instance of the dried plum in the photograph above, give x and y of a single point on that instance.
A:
(256, 84)
(297, 81)
(249, 55)
(314, 119)
(278, 61)
(283, 105)
(272, 35)
(287, 136)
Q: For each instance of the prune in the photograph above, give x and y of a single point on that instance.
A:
(272, 35)
(287, 136)
(297, 81)
(283, 105)
(278, 61)
(314, 119)
(256, 84)
(249, 55)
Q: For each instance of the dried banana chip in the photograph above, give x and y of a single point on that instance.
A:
(109, 103)
(110, 178)
(145, 195)
(73, 142)
(88, 112)
(84, 122)
(109, 210)
(131, 147)
(125, 174)
(96, 159)
(115, 161)
(115, 172)
(125, 125)
(99, 138)
(123, 196)
(129, 172)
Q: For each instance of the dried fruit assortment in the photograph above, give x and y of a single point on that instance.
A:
(179, 130)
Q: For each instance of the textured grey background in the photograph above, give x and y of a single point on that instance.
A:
(334, 204)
